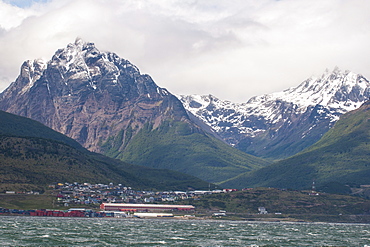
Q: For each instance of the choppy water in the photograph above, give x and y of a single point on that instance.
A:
(42, 231)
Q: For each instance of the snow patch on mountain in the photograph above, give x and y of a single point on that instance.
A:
(32, 70)
(333, 94)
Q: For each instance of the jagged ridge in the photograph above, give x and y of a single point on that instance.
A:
(80, 86)
(281, 124)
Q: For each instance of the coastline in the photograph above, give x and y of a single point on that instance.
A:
(297, 218)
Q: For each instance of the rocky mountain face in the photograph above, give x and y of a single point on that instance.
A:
(89, 95)
(281, 124)
(106, 104)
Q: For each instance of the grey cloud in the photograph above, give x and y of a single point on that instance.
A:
(234, 49)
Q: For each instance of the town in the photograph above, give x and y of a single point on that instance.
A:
(110, 200)
(96, 194)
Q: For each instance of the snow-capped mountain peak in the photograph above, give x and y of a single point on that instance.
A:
(81, 65)
(317, 100)
(329, 90)
(79, 82)
(31, 71)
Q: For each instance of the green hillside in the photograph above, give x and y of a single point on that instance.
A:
(285, 205)
(175, 145)
(33, 156)
(14, 125)
(33, 162)
(342, 156)
(282, 201)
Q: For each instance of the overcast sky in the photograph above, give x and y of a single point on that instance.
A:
(233, 49)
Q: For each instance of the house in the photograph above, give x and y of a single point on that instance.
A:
(262, 210)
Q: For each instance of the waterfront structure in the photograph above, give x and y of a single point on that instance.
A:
(152, 215)
(144, 207)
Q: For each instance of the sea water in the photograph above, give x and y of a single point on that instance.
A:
(44, 231)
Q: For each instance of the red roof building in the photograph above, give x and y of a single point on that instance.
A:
(144, 207)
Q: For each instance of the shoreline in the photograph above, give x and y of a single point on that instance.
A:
(316, 219)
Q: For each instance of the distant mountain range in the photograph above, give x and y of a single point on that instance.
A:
(279, 125)
(106, 104)
(341, 156)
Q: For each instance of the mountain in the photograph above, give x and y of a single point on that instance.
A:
(33, 156)
(281, 124)
(341, 157)
(106, 104)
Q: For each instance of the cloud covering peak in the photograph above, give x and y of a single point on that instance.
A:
(233, 49)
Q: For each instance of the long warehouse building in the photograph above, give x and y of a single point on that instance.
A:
(144, 207)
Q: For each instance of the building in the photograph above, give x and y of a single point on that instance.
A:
(262, 210)
(144, 207)
(152, 215)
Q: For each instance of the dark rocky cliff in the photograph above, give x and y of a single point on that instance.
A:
(89, 95)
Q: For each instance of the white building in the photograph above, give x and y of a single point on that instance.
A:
(262, 210)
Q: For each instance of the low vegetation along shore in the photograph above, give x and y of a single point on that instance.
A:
(260, 204)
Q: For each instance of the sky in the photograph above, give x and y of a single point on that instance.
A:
(232, 49)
